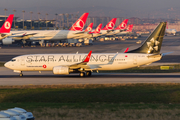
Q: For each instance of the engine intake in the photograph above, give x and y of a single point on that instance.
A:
(7, 41)
(61, 70)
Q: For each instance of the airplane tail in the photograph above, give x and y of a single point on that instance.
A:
(110, 25)
(89, 28)
(6, 27)
(79, 24)
(122, 25)
(129, 28)
(98, 29)
(153, 43)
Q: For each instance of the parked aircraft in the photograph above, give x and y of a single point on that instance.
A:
(170, 31)
(119, 29)
(64, 64)
(37, 35)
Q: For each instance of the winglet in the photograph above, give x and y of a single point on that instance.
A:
(79, 24)
(7, 25)
(88, 57)
(126, 50)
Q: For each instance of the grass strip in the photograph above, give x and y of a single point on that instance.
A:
(92, 93)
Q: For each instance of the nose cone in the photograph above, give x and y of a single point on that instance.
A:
(7, 64)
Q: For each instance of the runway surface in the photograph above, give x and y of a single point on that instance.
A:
(170, 44)
(8, 77)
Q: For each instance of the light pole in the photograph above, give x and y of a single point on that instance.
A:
(46, 19)
(31, 18)
(23, 17)
(56, 19)
(38, 18)
(14, 18)
(5, 13)
(67, 15)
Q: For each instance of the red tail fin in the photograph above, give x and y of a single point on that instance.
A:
(98, 29)
(7, 25)
(110, 25)
(79, 24)
(122, 25)
(88, 57)
(167, 25)
(89, 28)
(129, 28)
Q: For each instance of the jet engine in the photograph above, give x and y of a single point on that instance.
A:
(7, 41)
(61, 70)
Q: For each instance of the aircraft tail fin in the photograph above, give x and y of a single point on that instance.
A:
(98, 29)
(110, 25)
(153, 43)
(89, 28)
(122, 25)
(79, 24)
(129, 28)
(6, 27)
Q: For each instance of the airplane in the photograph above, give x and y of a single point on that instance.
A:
(38, 35)
(85, 64)
(170, 31)
(119, 29)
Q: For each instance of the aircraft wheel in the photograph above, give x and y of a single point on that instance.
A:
(82, 74)
(20, 74)
(88, 73)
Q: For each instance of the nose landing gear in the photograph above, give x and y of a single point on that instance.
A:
(21, 74)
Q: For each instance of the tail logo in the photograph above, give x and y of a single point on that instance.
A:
(79, 25)
(7, 25)
(110, 25)
(89, 29)
(152, 45)
(123, 25)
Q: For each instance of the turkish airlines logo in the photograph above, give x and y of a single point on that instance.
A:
(123, 25)
(110, 25)
(98, 29)
(44, 66)
(79, 25)
(89, 29)
(7, 25)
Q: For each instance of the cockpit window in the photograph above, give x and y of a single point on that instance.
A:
(13, 60)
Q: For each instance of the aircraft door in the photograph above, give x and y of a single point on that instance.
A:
(22, 61)
(135, 60)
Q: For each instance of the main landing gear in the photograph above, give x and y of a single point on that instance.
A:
(21, 74)
(83, 74)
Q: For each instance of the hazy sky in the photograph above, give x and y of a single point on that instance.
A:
(111, 8)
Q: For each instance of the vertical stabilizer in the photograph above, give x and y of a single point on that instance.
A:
(6, 27)
(153, 43)
(110, 25)
(79, 24)
(89, 28)
(122, 25)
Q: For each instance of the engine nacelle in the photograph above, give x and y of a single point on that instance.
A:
(7, 41)
(61, 70)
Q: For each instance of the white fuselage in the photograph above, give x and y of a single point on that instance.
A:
(171, 31)
(48, 34)
(99, 61)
